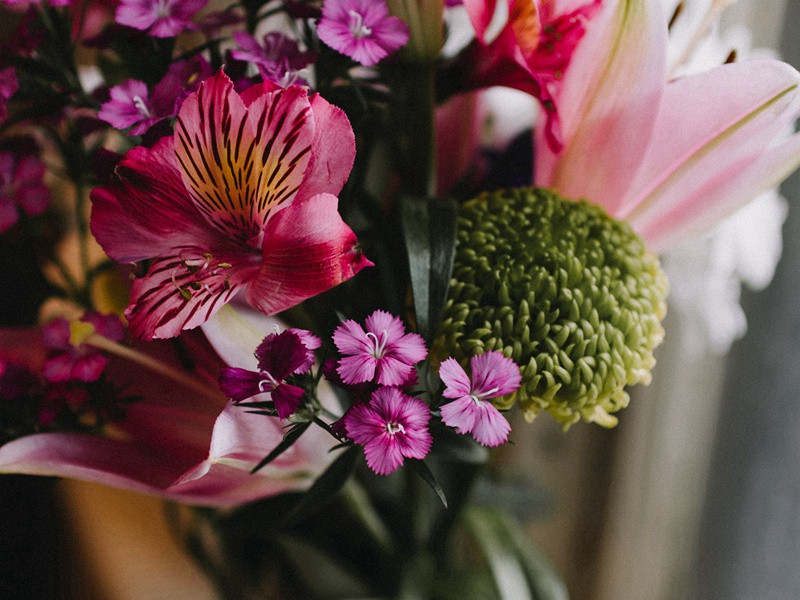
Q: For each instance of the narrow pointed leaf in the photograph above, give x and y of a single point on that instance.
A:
(290, 438)
(421, 469)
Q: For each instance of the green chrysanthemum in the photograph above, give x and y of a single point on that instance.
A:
(571, 294)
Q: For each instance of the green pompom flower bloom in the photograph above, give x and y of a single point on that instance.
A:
(569, 293)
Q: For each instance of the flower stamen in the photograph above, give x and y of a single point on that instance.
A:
(357, 27)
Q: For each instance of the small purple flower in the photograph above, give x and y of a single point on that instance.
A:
(361, 29)
(385, 352)
(279, 355)
(131, 104)
(493, 375)
(391, 426)
(21, 188)
(160, 18)
(278, 57)
(8, 87)
(82, 363)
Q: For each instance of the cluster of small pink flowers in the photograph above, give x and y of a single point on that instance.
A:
(378, 369)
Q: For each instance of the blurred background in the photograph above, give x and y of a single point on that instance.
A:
(696, 494)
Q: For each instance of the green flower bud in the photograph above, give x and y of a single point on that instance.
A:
(569, 293)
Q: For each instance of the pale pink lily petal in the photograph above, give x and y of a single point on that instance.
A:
(737, 110)
(607, 103)
(306, 251)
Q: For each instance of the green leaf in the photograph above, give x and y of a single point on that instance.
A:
(326, 486)
(520, 571)
(421, 469)
(290, 438)
(429, 229)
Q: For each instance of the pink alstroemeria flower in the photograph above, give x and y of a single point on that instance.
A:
(241, 198)
(532, 51)
(173, 443)
(384, 352)
(493, 375)
(361, 29)
(390, 426)
(670, 157)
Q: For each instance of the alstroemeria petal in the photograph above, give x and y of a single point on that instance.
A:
(607, 104)
(172, 297)
(242, 163)
(333, 151)
(307, 250)
(145, 210)
(708, 123)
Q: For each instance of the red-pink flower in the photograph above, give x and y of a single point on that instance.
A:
(240, 199)
(279, 355)
(82, 363)
(21, 188)
(493, 375)
(390, 427)
(384, 352)
(278, 57)
(532, 51)
(361, 29)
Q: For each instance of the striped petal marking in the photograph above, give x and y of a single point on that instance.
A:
(184, 290)
(241, 164)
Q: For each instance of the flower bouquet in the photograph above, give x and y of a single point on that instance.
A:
(281, 281)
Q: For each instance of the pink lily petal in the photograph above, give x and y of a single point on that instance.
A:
(146, 211)
(456, 381)
(703, 129)
(307, 250)
(241, 163)
(608, 102)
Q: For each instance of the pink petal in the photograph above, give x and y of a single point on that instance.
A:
(708, 123)
(460, 414)
(239, 384)
(350, 338)
(491, 428)
(287, 399)
(307, 250)
(493, 371)
(145, 210)
(357, 369)
(607, 104)
(383, 323)
(455, 379)
(243, 164)
(89, 367)
(383, 455)
(333, 151)
(363, 423)
(171, 298)
(481, 13)
(58, 368)
(392, 371)
(236, 330)
(281, 354)
(410, 348)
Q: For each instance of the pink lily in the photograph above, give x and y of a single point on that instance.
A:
(175, 443)
(670, 157)
(241, 198)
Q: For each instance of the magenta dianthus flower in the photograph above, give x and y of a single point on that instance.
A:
(78, 363)
(278, 57)
(390, 427)
(279, 355)
(385, 352)
(160, 18)
(130, 106)
(493, 375)
(361, 29)
(21, 188)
